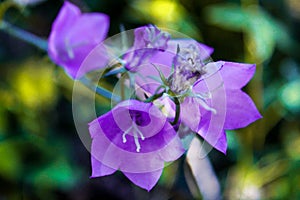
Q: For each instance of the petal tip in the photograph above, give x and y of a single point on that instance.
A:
(144, 180)
(221, 148)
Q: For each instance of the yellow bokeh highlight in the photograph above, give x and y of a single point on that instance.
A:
(161, 12)
(170, 14)
(167, 10)
(34, 85)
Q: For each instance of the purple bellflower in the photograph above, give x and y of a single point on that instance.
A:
(135, 138)
(240, 109)
(73, 36)
(191, 78)
(186, 73)
(180, 86)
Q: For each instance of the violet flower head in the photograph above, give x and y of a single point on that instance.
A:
(135, 138)
(180, 87)
(210, 95)
(73, 36)
(151, 37)
(148, 41)
(240, 109)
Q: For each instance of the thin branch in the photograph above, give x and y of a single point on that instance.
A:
(99, 90)
(24, 35)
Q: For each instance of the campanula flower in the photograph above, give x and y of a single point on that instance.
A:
(187, 74)
(135, 138)
(240, 109)
(179, 86)
(73, 36)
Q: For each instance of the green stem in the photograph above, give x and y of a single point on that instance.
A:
(43, 45)
(24, 35)
(99, 90)
(156, 94)
(115, 71)
(154, 97)
(177, 114)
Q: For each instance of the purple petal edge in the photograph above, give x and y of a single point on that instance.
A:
(144, 180)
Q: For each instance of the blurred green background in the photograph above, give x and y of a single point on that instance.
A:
(42, 157)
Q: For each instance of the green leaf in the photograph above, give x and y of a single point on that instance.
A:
(166, 13)
(229, 16)
(57, 174)
(262, 31)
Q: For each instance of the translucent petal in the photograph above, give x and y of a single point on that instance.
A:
(74, 35)
(98, 169)
(109, 148)
(144, 180)
(241, 111)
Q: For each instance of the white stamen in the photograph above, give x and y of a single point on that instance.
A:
(205, 106)
(70, 47)
(124, 135)
(136, 135)
(203, 95)
(139, 132)
(136, 141)
(70, 52)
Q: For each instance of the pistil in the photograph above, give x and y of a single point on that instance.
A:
(136, 135)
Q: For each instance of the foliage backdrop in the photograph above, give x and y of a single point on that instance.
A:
(42, 157)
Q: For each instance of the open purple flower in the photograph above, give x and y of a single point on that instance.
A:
(135, 138)
(202, 110)
(73, 36)
(210, 95)
(183, 88)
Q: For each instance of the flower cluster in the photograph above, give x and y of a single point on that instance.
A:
(179, 87)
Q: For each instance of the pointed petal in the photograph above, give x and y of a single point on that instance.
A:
(241, 111)
(66, 17)
(144, 180)
(221, 145)
(98, 169)
(109, 148)
(236, 75)
(211, 126)
(213, 133)
(174, 150)
(74, 35)
(237, 108)
(91, 26)
(88, 31)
